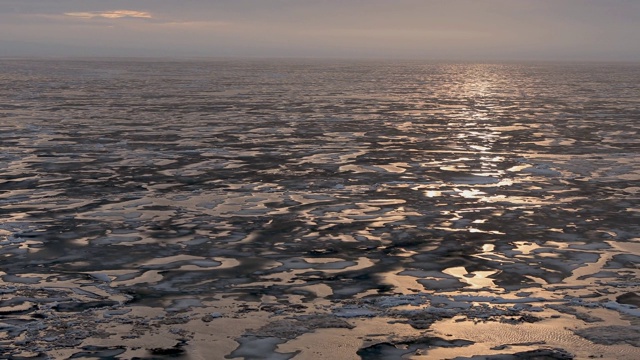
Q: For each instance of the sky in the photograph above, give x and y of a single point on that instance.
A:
(583, 30)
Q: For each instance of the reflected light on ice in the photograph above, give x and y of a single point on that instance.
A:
(475, 279)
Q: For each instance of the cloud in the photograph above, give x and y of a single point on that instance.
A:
(115, 14)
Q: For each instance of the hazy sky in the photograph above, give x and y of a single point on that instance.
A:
(429, 29)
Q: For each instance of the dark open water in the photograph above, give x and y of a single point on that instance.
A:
(289, 199)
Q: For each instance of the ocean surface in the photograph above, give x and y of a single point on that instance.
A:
(300, 209)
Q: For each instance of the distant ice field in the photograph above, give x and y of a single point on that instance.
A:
(319, 209)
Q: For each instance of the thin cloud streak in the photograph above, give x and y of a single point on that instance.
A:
(115, 14)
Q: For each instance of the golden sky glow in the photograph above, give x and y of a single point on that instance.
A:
(405, 29)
